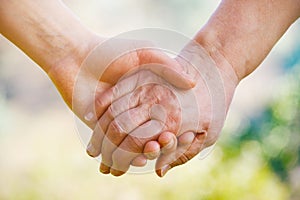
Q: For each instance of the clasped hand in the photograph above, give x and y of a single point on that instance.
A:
(161, 108)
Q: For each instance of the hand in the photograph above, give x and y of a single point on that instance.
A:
(60, 44)
(190, 144)
(129, 115)
(103, 66)
(153, 108)
(100, 69)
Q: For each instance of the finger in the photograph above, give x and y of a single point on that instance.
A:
(116, 108)
(133, 144)
(101, 103)
(94, 145)
(167, 68)
(171, 70)
(172, 75)
(104, 169)
(119, 129)
(167, 141)
(139, 161)
(104, 99)
(151, 150)
(186, 138)
(182, 154)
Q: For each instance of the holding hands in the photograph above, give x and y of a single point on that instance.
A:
(140, 103)
(144, 112)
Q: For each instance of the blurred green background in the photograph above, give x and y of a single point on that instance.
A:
(257, 156)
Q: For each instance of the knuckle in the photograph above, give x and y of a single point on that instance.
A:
(99, 102)
(142, 54)
(110, 112)
(115, 91)
(116, 127)
(115, 133)
(134, 144)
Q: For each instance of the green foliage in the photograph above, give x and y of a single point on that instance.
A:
(277, 130)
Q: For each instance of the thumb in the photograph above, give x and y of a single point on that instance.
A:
(174, 75)
(171, 70)
(183, 154)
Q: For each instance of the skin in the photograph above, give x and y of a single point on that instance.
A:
(128, 126)
(51, 35)
(55, 45)
(238, 37)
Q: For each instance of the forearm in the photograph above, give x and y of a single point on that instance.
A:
(46, 31)
(50, 35)
(244, 31)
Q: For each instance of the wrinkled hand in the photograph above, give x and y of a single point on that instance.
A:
(113, 58)
(143, 105)
(106, 63)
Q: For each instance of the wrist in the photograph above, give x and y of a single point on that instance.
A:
(245, 32)
(230, 77)
(64, 72)
(213, 46)
(77, 50)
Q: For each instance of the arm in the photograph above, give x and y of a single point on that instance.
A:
(240, 33)
(244, 32)
(50, 35)
(238, 36)
(46, 31)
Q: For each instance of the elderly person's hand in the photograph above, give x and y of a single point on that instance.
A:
(143, 105)
(60, 44)
(105, 64)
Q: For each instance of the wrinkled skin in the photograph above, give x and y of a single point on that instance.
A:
(153, 109)
(200, 119)
(130, 124)
(78, 83)
(119, 144)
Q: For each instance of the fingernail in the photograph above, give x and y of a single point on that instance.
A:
(164, 170)
(170, 144)
(152, 155)
(90, 149)
(104, 169)
(115, 172)
(89, 116)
